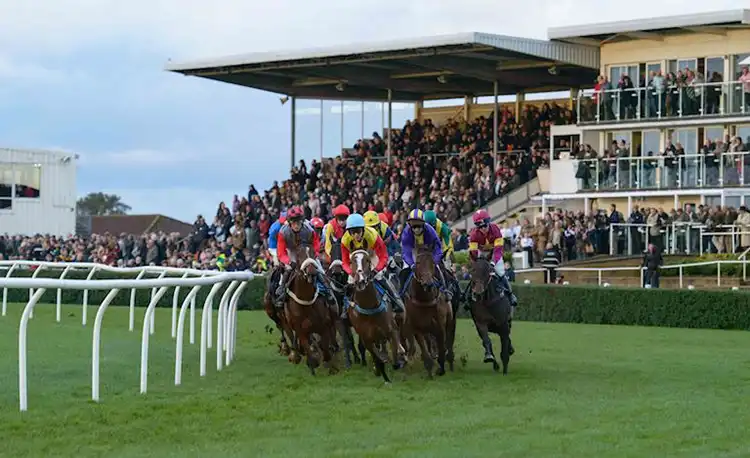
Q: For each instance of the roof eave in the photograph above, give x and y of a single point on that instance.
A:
(565, 33)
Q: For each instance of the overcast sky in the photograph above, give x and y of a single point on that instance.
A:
(86, 76)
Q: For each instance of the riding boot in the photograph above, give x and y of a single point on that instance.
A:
(507, 290)
(398, 304)
(281, 287)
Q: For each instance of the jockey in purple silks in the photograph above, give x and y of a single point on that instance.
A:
(415, 234)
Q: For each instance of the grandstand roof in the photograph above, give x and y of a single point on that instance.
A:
(415, 69)
(651, 28)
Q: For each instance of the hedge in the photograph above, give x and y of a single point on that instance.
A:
(548, 303)
(634, 306)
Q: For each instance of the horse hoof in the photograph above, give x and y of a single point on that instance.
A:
(440, 372)
(496, 367)
(489, 359)
(333, 371)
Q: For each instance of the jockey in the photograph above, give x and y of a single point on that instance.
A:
(318, 225)
(358, 237)
(334, 230)
(273, 234)
(297, 232)
(417, 233)
(444, 232)
(384, 231)
(487, 237)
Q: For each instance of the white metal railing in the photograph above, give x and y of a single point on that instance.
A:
(601, 270)
(225, 327)
(658, 101)
(678, 237)
(687, 171)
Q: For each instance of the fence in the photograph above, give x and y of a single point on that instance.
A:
(676, 238)
(698, 99)
(225, 327)
(687, 171)
(600, 271)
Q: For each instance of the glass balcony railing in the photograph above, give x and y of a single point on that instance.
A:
(730, 98)
(664, 172)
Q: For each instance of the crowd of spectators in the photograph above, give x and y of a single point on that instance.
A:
(448, 168)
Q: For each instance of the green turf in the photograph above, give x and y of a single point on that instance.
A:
(573, 390)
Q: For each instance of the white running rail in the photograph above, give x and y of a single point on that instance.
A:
(601, 271)
(226, 323)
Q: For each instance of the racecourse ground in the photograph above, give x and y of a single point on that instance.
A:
(573, 390)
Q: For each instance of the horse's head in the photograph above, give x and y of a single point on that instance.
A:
(307, 264)
(361, 268)
(424, 265)
(481, 272)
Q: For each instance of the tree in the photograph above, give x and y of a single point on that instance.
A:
(101, 204)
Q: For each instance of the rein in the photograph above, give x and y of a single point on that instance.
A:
(306, 263)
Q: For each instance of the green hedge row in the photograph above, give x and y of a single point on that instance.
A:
(554, 303)
(634, 306)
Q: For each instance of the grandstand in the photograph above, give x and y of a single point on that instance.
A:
(660, 120)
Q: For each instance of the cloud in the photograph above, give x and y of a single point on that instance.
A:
(93, 82)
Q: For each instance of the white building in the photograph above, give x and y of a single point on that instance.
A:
(37, 192)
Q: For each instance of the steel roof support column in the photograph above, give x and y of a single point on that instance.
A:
(321, 130)
(494, 131)
(342, 127)
(390, 126)
(294, 132)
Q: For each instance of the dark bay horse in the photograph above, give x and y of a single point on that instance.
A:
(308, 314)
(427, 311)
(490, 311)
(277, 314)
(339, 278)
(371, 317)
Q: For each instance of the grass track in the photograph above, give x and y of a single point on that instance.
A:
(573, 390)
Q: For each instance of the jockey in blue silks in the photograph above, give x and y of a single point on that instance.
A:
(273, 236)
(415, 234)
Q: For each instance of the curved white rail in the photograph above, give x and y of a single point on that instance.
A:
(38, 286)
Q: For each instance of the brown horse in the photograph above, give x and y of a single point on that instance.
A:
(308, 314)
(371, 317)
(276, 314)
(491, 312)
(427, 311)
(338, 279)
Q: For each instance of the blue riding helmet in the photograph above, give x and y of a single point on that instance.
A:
(355, 221)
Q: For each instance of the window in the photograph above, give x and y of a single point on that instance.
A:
(616, 71)
(677, 65)
(6, 186)
(714, 65)
(28, 180)
(650, 143)
(744, 133)
(688, 138)
(714, 134)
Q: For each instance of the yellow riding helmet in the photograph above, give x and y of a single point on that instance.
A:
(371, 218)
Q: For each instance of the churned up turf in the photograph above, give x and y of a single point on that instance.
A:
(573, 390)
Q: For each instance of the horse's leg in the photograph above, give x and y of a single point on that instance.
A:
(362, 351)
(304, 340)
(504, 345)
(451, 333)
(377, 358)
(342, 330)
(443, 315)
(399, 360)
(489, 355)
(426, 355)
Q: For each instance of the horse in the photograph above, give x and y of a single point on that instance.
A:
(276, 314)
(371, 317)
(427, 311)
(308, 314)
(491, 312)
(338, 279)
